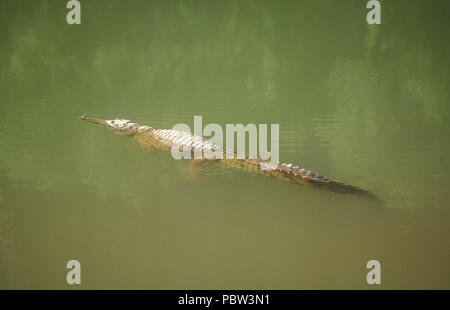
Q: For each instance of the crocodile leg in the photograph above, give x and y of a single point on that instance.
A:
(195, 168)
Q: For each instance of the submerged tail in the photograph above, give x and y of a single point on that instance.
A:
(307, 177)
(339, 187)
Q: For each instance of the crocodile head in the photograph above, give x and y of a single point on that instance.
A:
(121, 124)
(118, 123)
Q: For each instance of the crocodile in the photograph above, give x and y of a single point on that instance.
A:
(164, 139)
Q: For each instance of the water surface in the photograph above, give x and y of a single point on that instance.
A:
(364, 104)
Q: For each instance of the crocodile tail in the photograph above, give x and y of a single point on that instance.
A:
(339, 187)
(307, 177)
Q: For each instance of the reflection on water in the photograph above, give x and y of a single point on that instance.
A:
(367, 105)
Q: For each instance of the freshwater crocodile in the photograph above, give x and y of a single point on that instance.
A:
(164, 139)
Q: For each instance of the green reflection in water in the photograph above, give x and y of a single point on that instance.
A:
(367, 105)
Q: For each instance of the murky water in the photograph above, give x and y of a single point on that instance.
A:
(367, 105)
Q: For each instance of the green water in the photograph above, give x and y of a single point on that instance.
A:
(364, 104)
